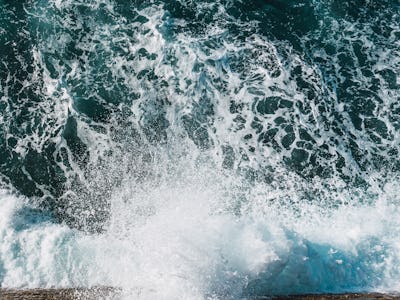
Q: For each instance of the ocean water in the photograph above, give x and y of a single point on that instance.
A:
(182, 149)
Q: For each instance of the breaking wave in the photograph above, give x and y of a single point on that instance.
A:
(200, 149)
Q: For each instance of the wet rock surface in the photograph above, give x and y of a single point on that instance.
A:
(110, 293)
(59, 294)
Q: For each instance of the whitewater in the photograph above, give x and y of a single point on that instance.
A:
(175, 242)
(200, 149)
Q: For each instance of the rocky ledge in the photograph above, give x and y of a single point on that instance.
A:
(110, 293)
(59, 294)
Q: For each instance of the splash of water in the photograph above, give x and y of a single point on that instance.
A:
(182, 238)
(201, 152)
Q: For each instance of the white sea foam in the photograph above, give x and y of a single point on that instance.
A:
(188, 228)
(180, 240)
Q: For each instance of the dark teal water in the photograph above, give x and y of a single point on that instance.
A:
(297, 98)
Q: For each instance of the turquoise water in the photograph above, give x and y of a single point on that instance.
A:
(200, 149)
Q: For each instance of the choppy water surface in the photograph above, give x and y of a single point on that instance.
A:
(203, 149)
